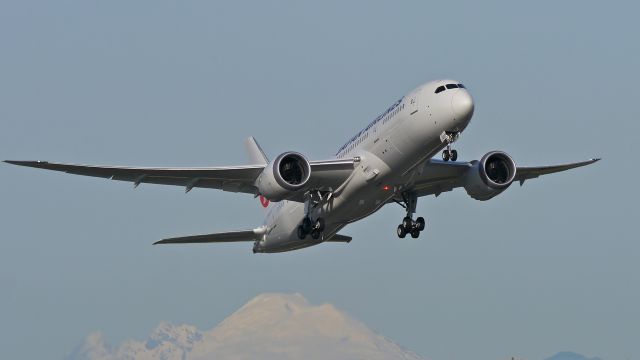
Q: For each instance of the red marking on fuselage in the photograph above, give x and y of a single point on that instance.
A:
(264, 201)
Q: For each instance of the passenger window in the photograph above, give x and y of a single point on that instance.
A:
(440, 89)
(452, 86)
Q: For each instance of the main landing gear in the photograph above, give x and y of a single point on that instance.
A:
(449, 137)
(408, 225)
(313, 199)
(309, 227)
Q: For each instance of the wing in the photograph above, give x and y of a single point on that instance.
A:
(328, 174)
(526, 173)
(232, 236)
(438, 176)
(232, 178)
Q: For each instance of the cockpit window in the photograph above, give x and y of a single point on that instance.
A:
(449, 86)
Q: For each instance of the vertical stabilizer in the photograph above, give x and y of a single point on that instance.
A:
(256, 155)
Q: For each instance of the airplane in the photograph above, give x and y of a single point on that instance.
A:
(390, 161)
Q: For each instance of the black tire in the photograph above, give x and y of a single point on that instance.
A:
(445, 155)
(315, 234)
(415, 233)
(320, 224)
(420, 223)
(401, 232)
(407, 223)
(301, 233)
(454, 155)
(306, 225)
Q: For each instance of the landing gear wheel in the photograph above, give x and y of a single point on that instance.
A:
(420, 224)
(301, 233)
(445, 155)
(315, 234)
(306, 225)
(454, 155)
(415, 233)
(320, 224)
(407, 223)
(401, 232)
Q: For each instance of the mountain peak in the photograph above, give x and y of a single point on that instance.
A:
(272, 301)
(269, 326)
(568, 355)
(183, 336)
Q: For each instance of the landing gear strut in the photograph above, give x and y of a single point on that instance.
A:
(449, 138)
(313, 199)
(309, 227)
(408, 225)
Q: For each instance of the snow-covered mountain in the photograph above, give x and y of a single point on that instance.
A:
(568, 355)
(271, 326)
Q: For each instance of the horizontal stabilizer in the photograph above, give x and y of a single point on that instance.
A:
(232, 236)
(340, 238)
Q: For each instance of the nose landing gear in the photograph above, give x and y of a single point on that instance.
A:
(449, 137)
(408, 225)
(449, 154)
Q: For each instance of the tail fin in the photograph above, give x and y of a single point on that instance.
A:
(256, 155)
(264, 202)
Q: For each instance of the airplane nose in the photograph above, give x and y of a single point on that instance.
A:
(462, 105)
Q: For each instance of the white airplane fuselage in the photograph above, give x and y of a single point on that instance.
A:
(389, 149)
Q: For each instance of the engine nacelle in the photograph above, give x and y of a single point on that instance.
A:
(287, 173)
(490, 176)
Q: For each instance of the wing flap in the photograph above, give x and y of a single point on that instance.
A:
(231, 236)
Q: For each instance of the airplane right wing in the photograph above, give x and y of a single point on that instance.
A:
(328, 174)
(231, 178)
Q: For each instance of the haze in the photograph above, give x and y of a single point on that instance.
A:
(547, 267)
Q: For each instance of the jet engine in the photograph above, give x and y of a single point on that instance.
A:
(490, 176)
(287, 173)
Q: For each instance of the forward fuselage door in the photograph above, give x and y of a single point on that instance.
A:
(413, 103)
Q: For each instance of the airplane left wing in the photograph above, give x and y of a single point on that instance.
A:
(526, 173)
(437, 176)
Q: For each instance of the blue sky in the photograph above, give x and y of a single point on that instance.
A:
(539, 269)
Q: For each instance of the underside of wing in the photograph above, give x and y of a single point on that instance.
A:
(325, 175)
(340, 238)
(525, 173)
(232, 178)
(438, 176)
(329, 174)
(232, 236)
